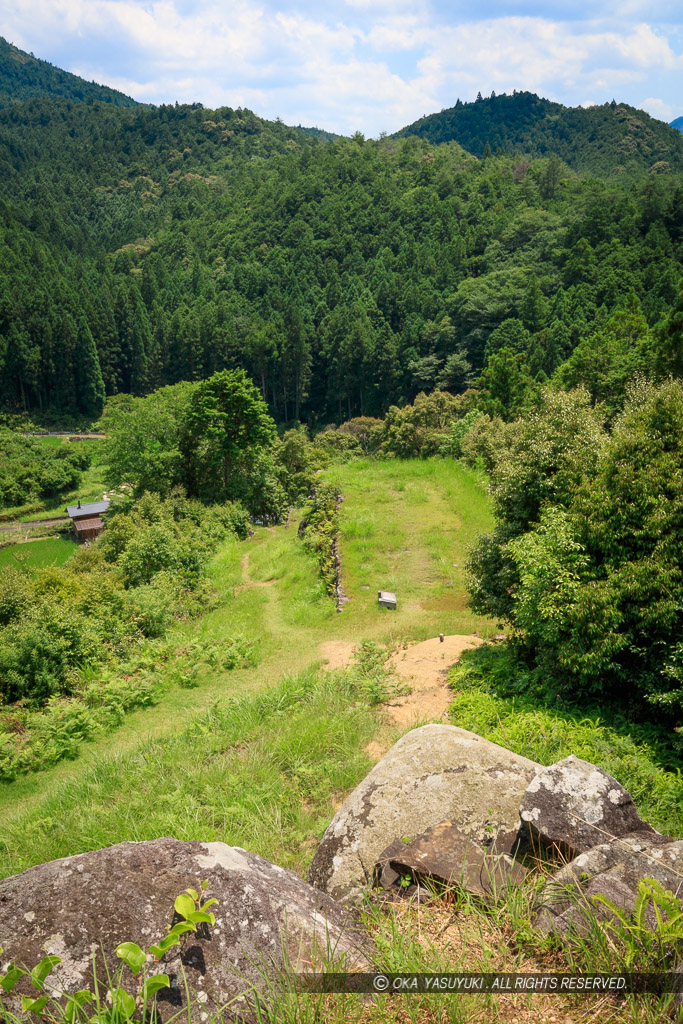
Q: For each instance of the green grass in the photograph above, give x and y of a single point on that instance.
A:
(268, 590)
(38, 553)
(262, 771)
(407, 527)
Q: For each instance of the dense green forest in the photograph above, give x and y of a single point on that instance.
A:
(611, 138)
(24, 77)
(144, 247)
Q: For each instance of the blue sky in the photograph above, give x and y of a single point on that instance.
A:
(368, 65)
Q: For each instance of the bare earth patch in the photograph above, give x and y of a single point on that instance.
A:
(337, 653)
(425, 667)
(376, 750)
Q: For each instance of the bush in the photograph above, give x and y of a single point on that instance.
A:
(15, 594)
(33, 470)
(150, 606)
(585, 560)
(41, 656)
(144, 570)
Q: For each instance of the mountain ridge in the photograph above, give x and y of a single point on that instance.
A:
(613, 138)
(24, 77)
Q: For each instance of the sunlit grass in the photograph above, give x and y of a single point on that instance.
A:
(38, 553)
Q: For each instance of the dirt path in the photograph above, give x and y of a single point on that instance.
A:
(424, 667)
(32, 523)
(250, 583)
(337, 653)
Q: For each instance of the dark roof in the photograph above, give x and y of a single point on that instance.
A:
(83, 525)
(95, 508)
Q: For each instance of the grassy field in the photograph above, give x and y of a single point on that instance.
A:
(405, 526)
(38, 553)
(262, 756)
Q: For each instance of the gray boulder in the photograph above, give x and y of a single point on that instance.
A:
(573, 806)
(612, 870)
(266, 917)
(432, 773)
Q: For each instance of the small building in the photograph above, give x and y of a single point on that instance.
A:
(87, 519)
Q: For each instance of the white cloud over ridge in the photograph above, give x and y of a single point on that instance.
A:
(360, 66)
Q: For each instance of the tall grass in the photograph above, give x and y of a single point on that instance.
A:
(261, 771)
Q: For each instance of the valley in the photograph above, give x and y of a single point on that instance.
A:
(305, 368)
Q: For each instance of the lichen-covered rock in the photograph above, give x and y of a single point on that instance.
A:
(432, 773)
(574, 805)
(266, 917)
(570, 900)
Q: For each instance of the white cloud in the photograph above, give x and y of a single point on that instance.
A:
(400, 33)
(368, 65)
(540, 55)
(659, 109)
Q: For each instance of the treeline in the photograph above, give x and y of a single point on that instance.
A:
(141, 248)
(584, 563)
(24, 77)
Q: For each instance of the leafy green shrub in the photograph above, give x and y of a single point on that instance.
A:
(29, 469)
(41, 656)
(318, 527)
(585, 560)
(150, 606)
(58, 624)
(153, 551)
(451, 445)
(417, 430)
(15, 594)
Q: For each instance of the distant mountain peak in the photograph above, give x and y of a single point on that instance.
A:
(610, 138)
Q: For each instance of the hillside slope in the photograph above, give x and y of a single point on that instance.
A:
(25, 77)
(609, 139)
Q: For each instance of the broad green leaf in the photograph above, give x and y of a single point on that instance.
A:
(123, 1003)
(132, 955)
(154, 984)
(165, 944)
(193, 893)
(181, 927)
(41, 970)
(210, 903)
(201, 917)
(76, 1003)
(184, 905)
(11, 978)
(29, 1004)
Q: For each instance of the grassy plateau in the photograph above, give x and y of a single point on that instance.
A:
(261, 756)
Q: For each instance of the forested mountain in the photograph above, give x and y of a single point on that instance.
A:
(141, 247)
(609, 139)
(678, 124)
(25, 77)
